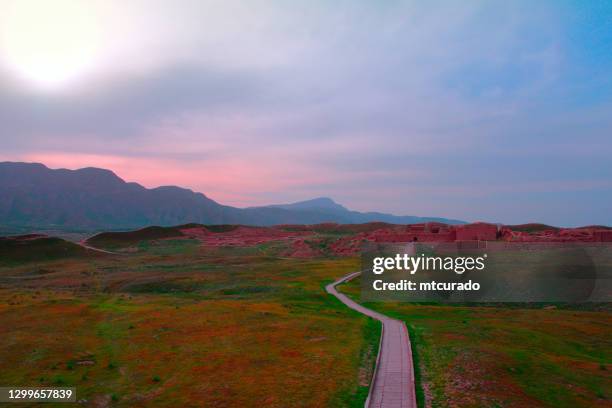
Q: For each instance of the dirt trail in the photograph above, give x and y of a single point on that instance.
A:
(103, 251)
(393, 382)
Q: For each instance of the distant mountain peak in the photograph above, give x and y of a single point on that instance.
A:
(315, 204)
(92, 198)
(95, 174)
(96, 171)
(331, 211)
(321, 201)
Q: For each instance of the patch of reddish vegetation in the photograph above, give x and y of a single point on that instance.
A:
(486, 386)
(558, 235)
(196, 232)
(302, 249)
(241, 236)
(350, 245)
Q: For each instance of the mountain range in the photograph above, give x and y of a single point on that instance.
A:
(34, 196)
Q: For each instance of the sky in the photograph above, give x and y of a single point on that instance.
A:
(480, 110)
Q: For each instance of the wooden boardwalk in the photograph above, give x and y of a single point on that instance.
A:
(393, 382)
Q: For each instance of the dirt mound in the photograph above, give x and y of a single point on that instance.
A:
(36, 248)
(240, 235)
(110, 239)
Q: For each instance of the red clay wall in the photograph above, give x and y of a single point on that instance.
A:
(477, 231)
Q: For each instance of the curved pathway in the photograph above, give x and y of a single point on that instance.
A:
(393, 382)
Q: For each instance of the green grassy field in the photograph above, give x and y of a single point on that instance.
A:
(469, 356)
(168, 322)
(174, 324)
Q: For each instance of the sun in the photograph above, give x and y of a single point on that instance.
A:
(49, 43)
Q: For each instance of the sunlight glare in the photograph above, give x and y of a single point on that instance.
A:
(49, 43)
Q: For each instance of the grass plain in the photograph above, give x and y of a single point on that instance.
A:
(168, 321)
(172, 323)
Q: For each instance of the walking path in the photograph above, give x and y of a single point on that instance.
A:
(102, 251)
(393, 382)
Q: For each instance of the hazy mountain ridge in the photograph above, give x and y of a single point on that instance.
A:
(32, 195)
(325, 205)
